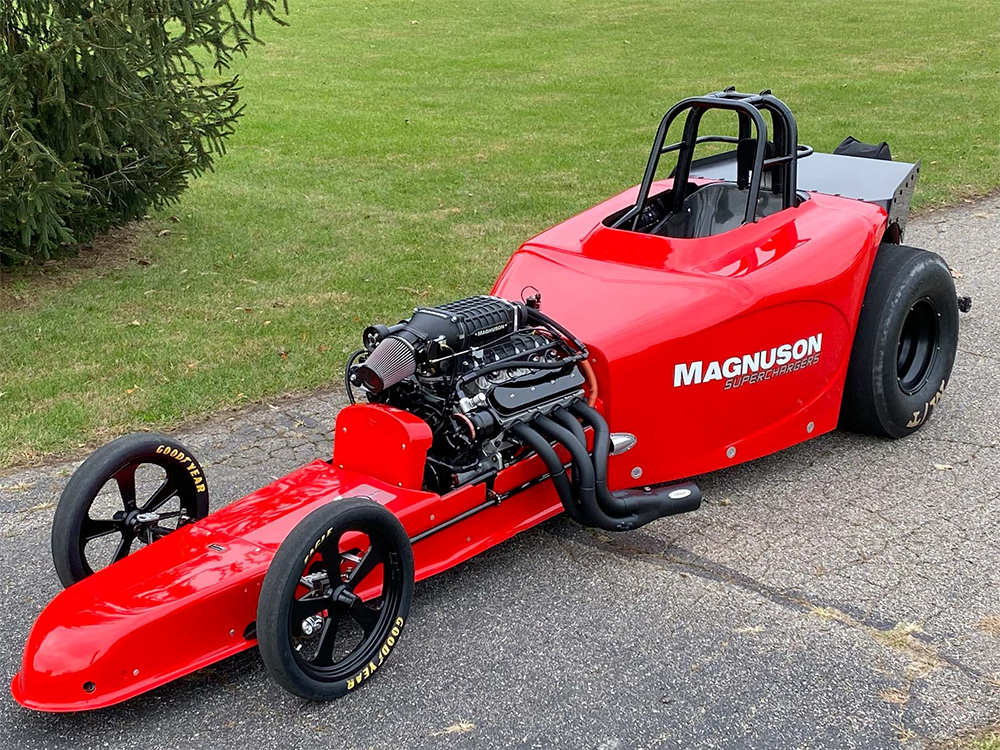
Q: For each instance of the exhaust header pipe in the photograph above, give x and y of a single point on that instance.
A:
(588, 500)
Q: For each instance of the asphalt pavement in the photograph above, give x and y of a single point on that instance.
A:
(841, 594)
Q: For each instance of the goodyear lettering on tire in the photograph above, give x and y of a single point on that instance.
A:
(383, 654)
(187, 462)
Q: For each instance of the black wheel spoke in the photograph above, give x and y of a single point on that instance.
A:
(309, 606)
(368, 563)
(329, 552)
(163, 493)
(327, 637)
(92, 529)
(365, 616)
(124, 547)
(126, 486)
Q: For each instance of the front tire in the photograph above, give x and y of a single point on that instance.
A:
(905, 344)
(317, 637)
(132, 491)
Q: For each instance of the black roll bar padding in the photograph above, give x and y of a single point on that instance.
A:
(786, 149)
(748, 109)
(744, 170)
(786, 140)
(555, 468)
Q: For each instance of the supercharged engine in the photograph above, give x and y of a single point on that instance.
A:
(471, 369)
(498, 381)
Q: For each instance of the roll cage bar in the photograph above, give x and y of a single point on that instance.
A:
(748, 107)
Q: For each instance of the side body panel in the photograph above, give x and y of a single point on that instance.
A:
(647, 305)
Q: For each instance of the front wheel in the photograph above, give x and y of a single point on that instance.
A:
(128, 493)
(905, 344)
(335, 599)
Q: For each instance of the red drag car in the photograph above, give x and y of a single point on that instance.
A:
(749, 301)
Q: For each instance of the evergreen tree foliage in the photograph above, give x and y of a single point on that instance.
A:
(108, 107)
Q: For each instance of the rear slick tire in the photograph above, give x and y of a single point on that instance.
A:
(905, 344)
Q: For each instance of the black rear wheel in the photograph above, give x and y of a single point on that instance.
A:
(919, 344)
(335, 599)
(905, 343)
(128, 493)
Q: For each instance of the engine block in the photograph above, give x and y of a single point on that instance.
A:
(471, 369)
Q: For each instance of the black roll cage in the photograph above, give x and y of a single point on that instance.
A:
(748, 108)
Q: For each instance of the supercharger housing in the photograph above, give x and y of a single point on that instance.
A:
(434, 333)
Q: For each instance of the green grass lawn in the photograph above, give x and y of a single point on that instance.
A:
(394, 153)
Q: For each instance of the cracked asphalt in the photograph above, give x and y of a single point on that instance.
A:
(841, 594)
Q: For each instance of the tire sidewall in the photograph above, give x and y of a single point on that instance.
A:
(281, 581)
(96, 471)
(925, 276)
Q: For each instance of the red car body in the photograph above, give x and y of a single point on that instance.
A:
(645, 304)
(765, 312)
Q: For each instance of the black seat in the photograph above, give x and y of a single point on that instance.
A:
(713, 209)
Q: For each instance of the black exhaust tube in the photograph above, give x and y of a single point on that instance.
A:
(601, 513)
(571, 423)
(556, 471)
(644, 506)
(607, 508)
(583, 467)
(566, 420)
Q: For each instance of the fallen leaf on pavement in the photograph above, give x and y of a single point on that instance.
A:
(892, 695)
(459, 727)
(18, 486)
